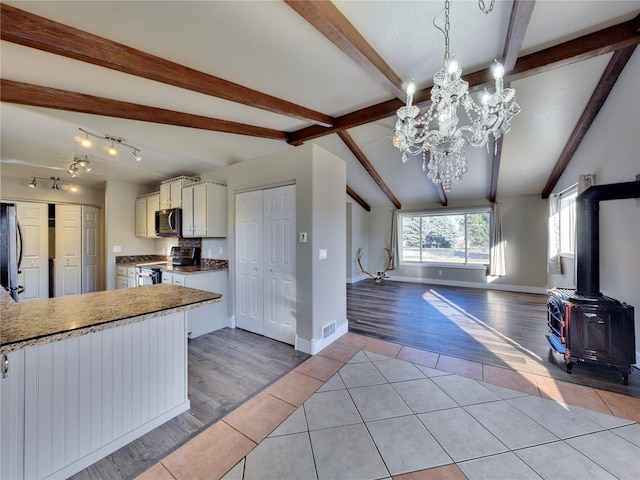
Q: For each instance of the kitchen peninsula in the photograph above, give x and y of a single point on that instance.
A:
(86, 374)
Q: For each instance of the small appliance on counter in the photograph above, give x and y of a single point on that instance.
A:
(185, 256)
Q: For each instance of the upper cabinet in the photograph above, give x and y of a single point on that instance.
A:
(204, 209)
(171, 191)
(146, 207)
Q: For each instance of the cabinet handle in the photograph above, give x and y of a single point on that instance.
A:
(5, 365)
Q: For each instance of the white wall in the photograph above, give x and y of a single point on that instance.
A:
(320, 179)
(12, 188)
(611, 150)
(357, 237)
(524, 225)
(120, 226)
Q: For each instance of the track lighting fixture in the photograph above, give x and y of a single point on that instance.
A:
(79, 163)
(112, 142)
(56, 183)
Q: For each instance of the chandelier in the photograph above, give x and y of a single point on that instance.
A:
(437, 132)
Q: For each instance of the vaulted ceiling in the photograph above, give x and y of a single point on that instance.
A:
(204, 84)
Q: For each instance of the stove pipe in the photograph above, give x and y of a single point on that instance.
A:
(588, 232)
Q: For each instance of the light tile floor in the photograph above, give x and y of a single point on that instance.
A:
(369, 409)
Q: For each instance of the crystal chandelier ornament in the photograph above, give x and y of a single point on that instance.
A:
(437, 131)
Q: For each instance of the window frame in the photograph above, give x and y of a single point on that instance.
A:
(440, 213)
(567, 221)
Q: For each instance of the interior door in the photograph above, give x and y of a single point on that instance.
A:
(68, 250)
(34, 270)
(280, 263)
(249, 248)
(91, 249)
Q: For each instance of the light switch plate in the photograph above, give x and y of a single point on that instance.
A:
(117, 249)
(322, 254)
(302, 237)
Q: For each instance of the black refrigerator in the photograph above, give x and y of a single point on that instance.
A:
(10, 249)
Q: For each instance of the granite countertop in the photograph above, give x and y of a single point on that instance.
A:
(26, 324)
(186, 270)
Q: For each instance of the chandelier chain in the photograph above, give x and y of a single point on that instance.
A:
(484, 8)
(447, 5)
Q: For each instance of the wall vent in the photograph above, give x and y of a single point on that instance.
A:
(329, 330)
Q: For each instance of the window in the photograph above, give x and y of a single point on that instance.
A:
(457, 238)
(568, 222)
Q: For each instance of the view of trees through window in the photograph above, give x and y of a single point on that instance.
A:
(458, 238)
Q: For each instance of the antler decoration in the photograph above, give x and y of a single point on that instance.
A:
(383, 275)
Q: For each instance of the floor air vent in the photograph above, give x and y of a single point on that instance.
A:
(328, 330)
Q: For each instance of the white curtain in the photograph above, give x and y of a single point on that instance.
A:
(394, 239)
(554, 265)
(497, 267)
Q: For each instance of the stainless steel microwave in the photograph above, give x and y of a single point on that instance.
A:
(169, 222)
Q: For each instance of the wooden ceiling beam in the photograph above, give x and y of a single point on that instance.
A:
(351, 192)
(604, 41)
(330, 21)
(38, 96)
(603, 89)
(518, 23)
(33, 31)
(364, 161)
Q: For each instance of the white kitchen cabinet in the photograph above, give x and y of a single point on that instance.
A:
(66, 404)
(210, 317)
(146, 207)
(12, 413)
(204, 209)
(171, 191)
(125, 277)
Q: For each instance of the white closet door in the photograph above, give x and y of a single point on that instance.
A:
(280, 263)
(249, 248)
(68, 250)
(90, 249)
(34, 270)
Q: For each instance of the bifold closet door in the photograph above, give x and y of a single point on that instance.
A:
(266, 262)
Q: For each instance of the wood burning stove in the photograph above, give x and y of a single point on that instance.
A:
(584, 325)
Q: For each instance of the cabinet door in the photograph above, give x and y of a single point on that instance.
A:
(176, 194)
(167, 277)
(141, 217)
(68, 250)
(216, 211)
(200, 207)
(91, 249)
(34, 270)
(153, 204)
(187, 212)
(165, 196)
(178, 279)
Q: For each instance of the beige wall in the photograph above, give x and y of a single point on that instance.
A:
(611, 150)
(524, 227)
(320, 179)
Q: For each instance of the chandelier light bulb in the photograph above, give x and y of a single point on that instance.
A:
(498, 70)
(453, 66)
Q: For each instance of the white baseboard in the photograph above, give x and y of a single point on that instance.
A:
(357, 279)
(485, 286)
(313, 346)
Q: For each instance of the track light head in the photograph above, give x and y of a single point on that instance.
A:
(33, 183)
(111, 150)
(136, 155)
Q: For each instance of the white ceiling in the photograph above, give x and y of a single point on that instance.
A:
(267, 46)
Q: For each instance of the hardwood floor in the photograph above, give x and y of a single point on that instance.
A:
(499, 328)
(226, 368)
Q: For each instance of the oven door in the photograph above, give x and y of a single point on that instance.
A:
(147, 276)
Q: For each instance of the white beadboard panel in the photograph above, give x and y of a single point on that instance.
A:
(12, 418)
(87, 396)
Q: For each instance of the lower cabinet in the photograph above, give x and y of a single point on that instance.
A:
(211, 317)
(67, 404)
(125, 277)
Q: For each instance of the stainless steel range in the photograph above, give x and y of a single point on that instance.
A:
(150, 274)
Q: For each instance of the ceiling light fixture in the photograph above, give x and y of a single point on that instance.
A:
(79, 163)
(56, 183)
(446, 142)
(112, 142)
